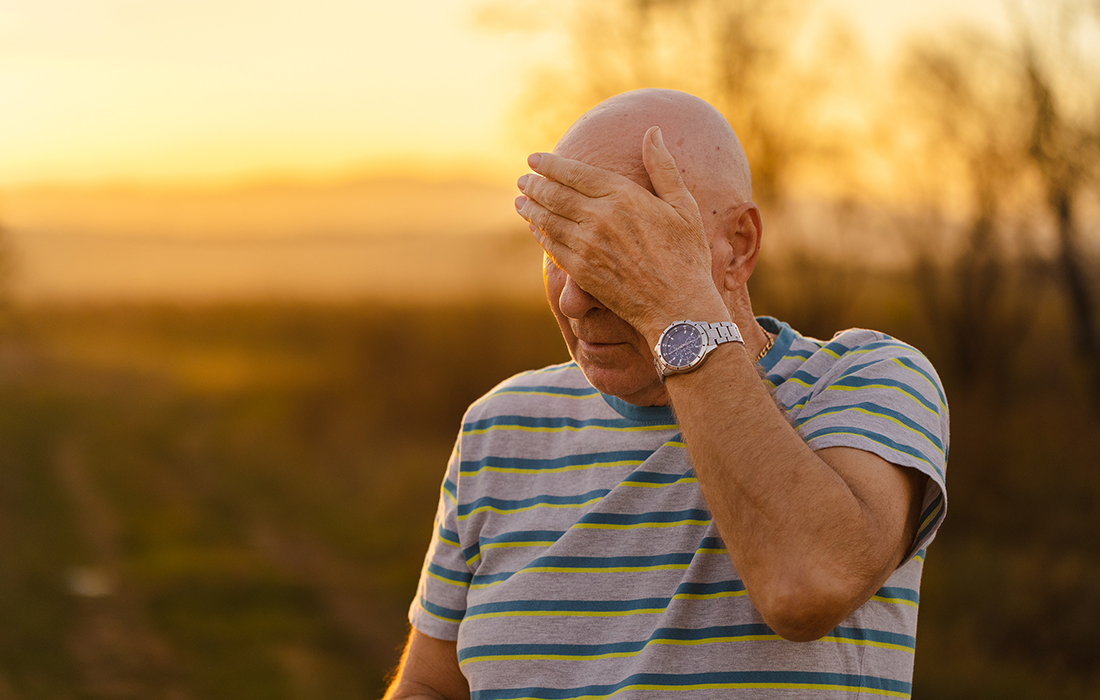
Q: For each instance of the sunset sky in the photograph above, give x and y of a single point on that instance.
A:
(167, 92)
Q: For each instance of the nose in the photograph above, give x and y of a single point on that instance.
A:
(574, 302)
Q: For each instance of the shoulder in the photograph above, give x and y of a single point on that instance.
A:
(853, 359)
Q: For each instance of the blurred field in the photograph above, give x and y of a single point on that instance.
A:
(232, 501)
(227, 502)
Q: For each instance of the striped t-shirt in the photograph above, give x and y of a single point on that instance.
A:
(574, 555)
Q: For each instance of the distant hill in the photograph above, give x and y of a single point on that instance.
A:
(357, 208)
(369, 238)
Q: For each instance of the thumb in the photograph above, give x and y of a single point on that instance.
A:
(665, 174)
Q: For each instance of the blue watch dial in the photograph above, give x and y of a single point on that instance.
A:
(682, 345)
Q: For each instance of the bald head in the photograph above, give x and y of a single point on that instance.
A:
(711, 160)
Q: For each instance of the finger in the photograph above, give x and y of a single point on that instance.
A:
(547, 222)
(585, 179)
(664, 173)
(556, 197)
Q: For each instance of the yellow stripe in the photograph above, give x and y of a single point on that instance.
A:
(494, 509)
(875, 415)
(935, 389)
(539, 543)
(558, 470)
(568, 428)
(432, 614)
(895, 601)
(892, 449)
(582, 570)
(574, 613)
(931, 516)
(607, 613)
(868, 643)
(671, 642)
(647, 485)
(624, 654)
(437, 577)
(916, 397)
(633, 526)
(740, 686)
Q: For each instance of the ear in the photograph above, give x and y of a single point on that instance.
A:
(741, 243)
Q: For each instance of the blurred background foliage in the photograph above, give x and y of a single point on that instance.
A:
(232, 500)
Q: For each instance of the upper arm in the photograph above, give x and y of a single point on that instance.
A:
(429, 669)
(891, 499)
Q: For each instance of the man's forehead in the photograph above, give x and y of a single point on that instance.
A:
(618, 150)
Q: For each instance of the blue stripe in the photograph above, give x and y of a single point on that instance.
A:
(879, 410)
(836, 347)
(642, 477)
(712, 543)
(505, 504)
(664, 516)
(860, 382)
(440, 611)
(473, 466)
(684, 589)
(523, 536)
(871, 635)
(898, 593)
(471, 552)
(880, 439)
(671, 634)
(908, 362)
(451, 488)
(676, 559)
(851, 381)
(730, 586)
(570, 606)
(680, 680)
(937, 502)
(629, 560)
(456, 576)
(549, 422)
(445, 534)
(661, 633)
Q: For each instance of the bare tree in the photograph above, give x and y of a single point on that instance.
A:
(1062, 103)
(734, 53)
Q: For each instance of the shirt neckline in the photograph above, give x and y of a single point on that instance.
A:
(663, 414)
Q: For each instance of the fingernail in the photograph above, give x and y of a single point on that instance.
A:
(520, 201)
(531, 227)
(534, 159)
(522, 181)
(658, 140)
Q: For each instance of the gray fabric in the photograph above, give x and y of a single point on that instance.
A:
(574, 555)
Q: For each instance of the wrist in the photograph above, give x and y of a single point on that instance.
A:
(701, 310)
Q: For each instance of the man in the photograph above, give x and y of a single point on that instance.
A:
(711, 508)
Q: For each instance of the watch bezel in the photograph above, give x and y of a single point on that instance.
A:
(668, 367)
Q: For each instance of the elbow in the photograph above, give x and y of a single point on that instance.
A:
(804, 610)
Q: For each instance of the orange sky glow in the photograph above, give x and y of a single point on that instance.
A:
(223, 91)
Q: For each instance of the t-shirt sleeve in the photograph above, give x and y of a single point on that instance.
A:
(440, 602)
(884, 397)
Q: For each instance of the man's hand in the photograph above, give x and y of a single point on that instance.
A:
(645, 257)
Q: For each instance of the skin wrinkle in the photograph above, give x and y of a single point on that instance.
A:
(716, 173)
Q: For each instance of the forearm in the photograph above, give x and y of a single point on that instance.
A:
(428, 671)
(806, 545)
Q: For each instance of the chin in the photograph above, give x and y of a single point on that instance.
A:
(642, 388)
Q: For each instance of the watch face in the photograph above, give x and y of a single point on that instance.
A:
(682, 345)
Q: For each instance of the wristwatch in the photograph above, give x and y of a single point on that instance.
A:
(684, 345)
